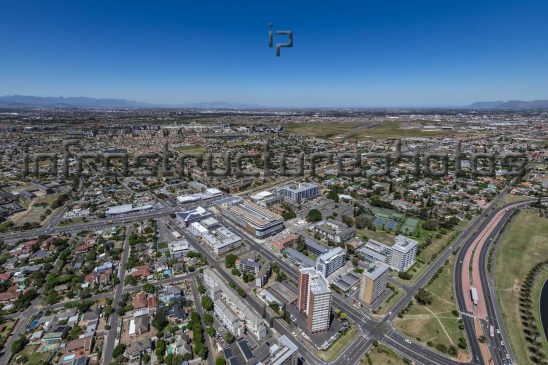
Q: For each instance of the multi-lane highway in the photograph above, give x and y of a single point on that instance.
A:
(472, 271)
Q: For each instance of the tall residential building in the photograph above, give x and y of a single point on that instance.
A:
(373, 282)
(314, 299)
(401, 256)
(282, 353)
(330, 261)
(404, 253)
(299, 192)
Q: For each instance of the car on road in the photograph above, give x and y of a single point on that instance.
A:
(407, 340)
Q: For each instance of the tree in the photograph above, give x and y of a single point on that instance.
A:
(248, 277)
(149, 288)
(424, 297)
(314, 215)
(207, 303)
(230, 260)
(220, 361)
(332, 194)
(349, 221)
(229, 337)
(208, 319)
(19, 344)
(160, 321)
(118, 350)
(363, 221)
(74, 333)
(160, 348)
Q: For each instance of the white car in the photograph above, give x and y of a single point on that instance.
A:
(407, 340)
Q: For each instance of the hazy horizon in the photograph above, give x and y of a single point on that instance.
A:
(369, 54)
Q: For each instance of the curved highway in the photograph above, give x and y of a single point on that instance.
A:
(478, 317)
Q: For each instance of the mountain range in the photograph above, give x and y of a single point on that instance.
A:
(85, 102)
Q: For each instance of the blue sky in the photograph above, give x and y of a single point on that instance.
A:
(346, 53)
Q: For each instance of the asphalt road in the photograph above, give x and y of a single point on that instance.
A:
(497, 351)
(118, 291)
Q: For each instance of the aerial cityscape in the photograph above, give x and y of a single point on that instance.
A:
(316, 215)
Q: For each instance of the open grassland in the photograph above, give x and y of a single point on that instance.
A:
(321, 130)
(522, 246)
(382, 355)
(191, 149)
(377, 235)
(436, 324)
(390, 129)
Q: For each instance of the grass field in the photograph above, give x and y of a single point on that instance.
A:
(334, 351)
(382, 355)
(191, 149)
(71, 221)
(436, 323)
(523, 245)
(378, 235)
(364, 130)
(321, 130)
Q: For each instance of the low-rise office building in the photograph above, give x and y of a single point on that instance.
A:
(220, 239)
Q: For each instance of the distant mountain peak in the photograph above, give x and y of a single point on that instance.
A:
(510, 105)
